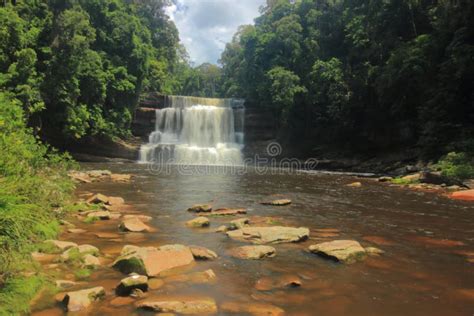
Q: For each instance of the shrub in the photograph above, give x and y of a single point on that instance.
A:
(458, 166)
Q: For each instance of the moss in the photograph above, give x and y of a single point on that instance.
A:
(91, 220)
(17, 293)
(82, 274)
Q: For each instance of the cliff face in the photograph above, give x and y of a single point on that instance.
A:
(260, 129)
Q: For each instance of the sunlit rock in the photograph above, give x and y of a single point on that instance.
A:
(267, 235)
(345, 251)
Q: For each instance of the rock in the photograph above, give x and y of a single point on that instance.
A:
(412, 177)
(431, 177)
(103, 215)
(99, 173)
(60, 245)
(345, 251)
(253, 252)
(133, 225)
(200, 208)
(152, 261)
(269, 284)
(281, 202)
(256, 309)
(239, 223)
(80, 300)
(469, 183)
(467, 195)
(198, 222)
(81, 177)
(143, 218)
(98, 198)
(82, 249)
(454, 188)
(201, 253)
(355, 185)
(227, 212)
(115, 200)
(266, 235)
(372, 251)
(65, 284)
(43, 257)
(123, 178)
(91, 261)
(155, 284)
(134, 281)
(385, 179)
(222, 229)
(76, 231)
(180, 305)
(137, 293)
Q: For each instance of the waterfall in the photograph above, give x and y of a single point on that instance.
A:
(197, 131)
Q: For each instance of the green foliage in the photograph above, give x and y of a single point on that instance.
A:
(16, 294)
(458, 166)
(404, 181)
(82, 274)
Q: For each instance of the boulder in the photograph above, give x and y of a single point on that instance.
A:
(239, 223)
(152, 261)
(467, 195)
(198, 222)
(80, 300)
(345, 251)
(133, 225)
(266, 235)
(253, 252)
(103, 215)
(200, 208)
(280, 202)
(134, 281)
(283, 282)
(180, 305)
(249, 308)
(201, 253)
(98, 198)
(59, 245)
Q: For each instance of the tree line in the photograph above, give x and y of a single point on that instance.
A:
(361, 74)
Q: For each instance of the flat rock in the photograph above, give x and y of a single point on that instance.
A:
(122, 178)
(222, 229)
(467, 195)
(133, 225)
(103, 215)
(80, 300)
(345, 251)
(81, 249)
(201, 253)
(60, 245)
(200, 208)
(239, 223)
(115, 200)
(180, 305)
(98, 198)
(253, 252)
(143, 218)
(283, 282)
(227, 212)
(152, 261)
(280, 202)
(134, 281)
(267, 235)
(198, 222)
(256, 309)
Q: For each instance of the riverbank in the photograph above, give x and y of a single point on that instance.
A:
(283, 276)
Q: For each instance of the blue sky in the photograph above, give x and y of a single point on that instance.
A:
(205, 26)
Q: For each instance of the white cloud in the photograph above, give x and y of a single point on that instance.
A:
(206, 25)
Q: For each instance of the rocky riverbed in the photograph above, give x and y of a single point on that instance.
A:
(140, 243)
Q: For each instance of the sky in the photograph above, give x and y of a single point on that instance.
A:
(205, 26)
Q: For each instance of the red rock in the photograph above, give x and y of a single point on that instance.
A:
(467, 195)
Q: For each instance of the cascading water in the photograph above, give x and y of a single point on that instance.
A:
(197, 131)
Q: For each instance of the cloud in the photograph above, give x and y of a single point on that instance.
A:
(206, 25)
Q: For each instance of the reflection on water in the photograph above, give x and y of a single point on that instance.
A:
(420, 274)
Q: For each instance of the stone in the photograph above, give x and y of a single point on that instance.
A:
(412, 177)
(133, 225)
(239, 223)
(201, 253)
(143, 218)
(82, 249)
(137, 293)
(115, 200)
(280, 202)
(98, 198)
(432, 177)
(60, 245)
(269, 284)
(227, 212)
(99, 173)
(467, 195)
(81, 177)
(372, 251)
(266, 235)
(152, 261)
(80, 300)
(134, 281)
(355, 185)
(200, 208)
(91, 261)
(385, 179)
(249, 308)
(198, 222)
(65, 284)
(180, 305)
(123, 178)
(103, 215)
(253, 252)
(222, 229)
(345, 251)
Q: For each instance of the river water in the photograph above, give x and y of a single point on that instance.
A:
(424, 235)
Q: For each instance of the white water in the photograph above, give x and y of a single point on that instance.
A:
(196, 131)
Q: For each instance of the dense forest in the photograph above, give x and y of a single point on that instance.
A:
(362, 74)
